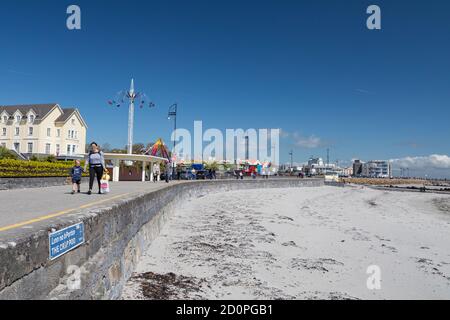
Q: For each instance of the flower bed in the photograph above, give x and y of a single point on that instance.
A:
(18, 168)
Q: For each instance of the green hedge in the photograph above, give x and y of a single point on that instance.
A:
(19, 168)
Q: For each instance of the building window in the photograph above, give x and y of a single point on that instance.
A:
(18, 118)
(73, 121)
(4, 131)
(49, 131)
(72, 134)
(5, 119)
(30, 147)
(17, 132)
(17, 146)
(47, 148)
(30, 131)
(58, 133)
(58, 149)
(3, 144)
(31, 118)
(68, 149)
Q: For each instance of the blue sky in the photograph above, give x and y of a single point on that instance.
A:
(311, 68)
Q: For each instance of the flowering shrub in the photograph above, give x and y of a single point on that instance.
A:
(19, 168)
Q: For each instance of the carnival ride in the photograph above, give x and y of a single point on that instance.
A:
(159, 149)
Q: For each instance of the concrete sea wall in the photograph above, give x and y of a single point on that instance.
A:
(34, 182)
(115, 238)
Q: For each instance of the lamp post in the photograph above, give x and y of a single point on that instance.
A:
(292, 162)
(173, 114)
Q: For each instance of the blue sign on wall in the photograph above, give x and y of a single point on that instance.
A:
(64, 240)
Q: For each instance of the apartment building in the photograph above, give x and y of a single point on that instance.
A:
(377, 169)
(373, 169)
(43, 129)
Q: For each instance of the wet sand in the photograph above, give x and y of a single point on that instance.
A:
(303, 243)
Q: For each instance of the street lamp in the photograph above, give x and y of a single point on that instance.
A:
(292, 162)
(173, 114)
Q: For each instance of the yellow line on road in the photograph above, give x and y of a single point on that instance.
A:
(57, 214)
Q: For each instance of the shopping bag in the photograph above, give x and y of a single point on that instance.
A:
(104, 182)
(104, 185)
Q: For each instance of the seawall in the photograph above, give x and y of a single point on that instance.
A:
(32, 182)
(116, 235)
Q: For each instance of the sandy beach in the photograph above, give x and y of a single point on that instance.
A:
(300, 243)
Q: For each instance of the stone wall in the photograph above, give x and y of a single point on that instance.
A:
(35, 182)
(115, 238)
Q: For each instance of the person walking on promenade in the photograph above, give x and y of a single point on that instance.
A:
(178, 172)
(156, 171)
(167, 171)
(210, 175)
(76, 173)
(96, 163)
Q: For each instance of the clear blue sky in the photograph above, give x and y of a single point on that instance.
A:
(311, 68)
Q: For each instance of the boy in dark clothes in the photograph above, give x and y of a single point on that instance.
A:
(76, 174)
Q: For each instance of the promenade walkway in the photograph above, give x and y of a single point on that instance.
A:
(27, 209)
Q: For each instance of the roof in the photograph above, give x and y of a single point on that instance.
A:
(133, 157)
(41, 110)
(66, 115)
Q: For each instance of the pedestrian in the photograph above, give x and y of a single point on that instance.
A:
(96, 163)
(76, 173)
(156, 171)
(193, 174)
(167, 170)
(178, 172)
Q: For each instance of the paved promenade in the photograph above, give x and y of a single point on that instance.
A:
(26, 209)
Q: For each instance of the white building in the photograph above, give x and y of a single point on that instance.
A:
(377, 169)
(316, 166)
(42, 129)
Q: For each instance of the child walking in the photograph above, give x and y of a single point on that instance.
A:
(76, 174)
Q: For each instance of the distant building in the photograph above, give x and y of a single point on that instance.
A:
(377, 169)
(43, 129)
(316, 166)
(346, 172)
(357, 168)
(372, 169)
(315, 162)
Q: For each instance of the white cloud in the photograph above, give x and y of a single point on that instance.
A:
(434, 161)
(309, 142)
(363, 91)
(283, 134)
